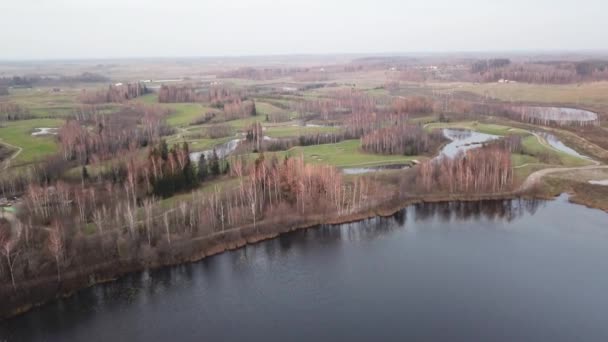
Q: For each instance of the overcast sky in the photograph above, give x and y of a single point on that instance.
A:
(40, 29)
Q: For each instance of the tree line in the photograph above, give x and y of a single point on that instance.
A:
(482, 170)
(402, 139)
(559, 72)
(114, 93)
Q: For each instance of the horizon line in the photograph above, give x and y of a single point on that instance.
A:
(324, 54)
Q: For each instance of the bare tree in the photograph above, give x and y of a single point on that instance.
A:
(8, 246)
(55, 244)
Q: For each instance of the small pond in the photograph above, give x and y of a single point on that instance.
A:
(463, 140)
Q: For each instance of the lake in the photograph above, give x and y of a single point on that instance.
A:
(478, 271)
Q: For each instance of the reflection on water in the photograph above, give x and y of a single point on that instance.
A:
(460, 271)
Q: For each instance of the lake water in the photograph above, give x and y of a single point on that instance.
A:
(368, 169)
(222, 150)
(463, 140)
(480, 271)
(560, 114)
(560, 146)
(45, 131)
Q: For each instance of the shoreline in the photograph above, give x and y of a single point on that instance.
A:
(220, 242)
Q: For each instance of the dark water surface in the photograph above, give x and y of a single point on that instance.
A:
(484, 271)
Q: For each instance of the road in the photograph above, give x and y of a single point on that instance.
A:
(7, 162)
(535, 177)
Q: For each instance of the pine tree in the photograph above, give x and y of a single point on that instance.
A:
(226, 167)
(190, 178)
(164, 150)
(202, 171)
(214, 164)
(85, 173)
(254, 111)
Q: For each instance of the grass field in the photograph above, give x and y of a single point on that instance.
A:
(344, 154)
(19, 133)
(586, 93)
(533, 146)
(148, 98)
(522, 172)
(46, 103)
(185, 113)
(294, 131)
(264, 108)
(480, 127)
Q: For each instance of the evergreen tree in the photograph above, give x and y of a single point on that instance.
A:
(85, 173)
(214, 164)
(254, 111)
(164, 150)
(202, 168)
(190, 178)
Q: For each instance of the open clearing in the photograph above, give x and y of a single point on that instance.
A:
(344, 154)
(586, 93)
(19, 133)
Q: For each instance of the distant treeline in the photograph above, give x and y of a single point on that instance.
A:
(217, 95)
(262, 73)
(28, 81)
(552, 72)
(114, 93)
(10, 111)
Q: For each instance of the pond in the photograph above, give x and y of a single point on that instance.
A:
(45, 131)
(560, 146)
(368, 169)
(560, 114)
(463, 140)
(477, 271)
(222, 150)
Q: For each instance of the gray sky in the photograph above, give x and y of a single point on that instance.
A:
(39, 29)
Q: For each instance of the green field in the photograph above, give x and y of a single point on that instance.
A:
(480, 127)
(46, 103)
(533, 146)
(148, 98)
(586, 93)
(19, 133)
(264, 108)
(185, 113)
(295, 131)
(344, 154)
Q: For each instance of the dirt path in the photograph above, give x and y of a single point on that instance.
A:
(535, 177)
(7, 162)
